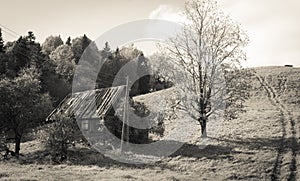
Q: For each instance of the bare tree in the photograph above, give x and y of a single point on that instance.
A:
(209, 45)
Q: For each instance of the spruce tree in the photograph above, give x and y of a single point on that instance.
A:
(1, 43)
(85, 42)
(68, 42)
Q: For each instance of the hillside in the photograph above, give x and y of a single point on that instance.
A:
(261, 144)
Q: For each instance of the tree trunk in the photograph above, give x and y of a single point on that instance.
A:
(17, 144)
(203, 128)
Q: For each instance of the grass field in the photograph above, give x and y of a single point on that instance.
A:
(262, 144)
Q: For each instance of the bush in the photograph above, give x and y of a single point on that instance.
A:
(59, 136)
(3, 145)
(4, 149)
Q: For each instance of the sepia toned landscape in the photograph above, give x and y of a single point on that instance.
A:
(183, 107)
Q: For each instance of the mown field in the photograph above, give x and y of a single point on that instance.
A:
(261, 144)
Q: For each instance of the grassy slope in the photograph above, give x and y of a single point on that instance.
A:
(259, 145)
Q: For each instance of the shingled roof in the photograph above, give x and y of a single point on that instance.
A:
(88, 104)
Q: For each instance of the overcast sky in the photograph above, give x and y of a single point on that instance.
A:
(272, 25)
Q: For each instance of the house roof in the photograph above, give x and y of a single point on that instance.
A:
(88, 104)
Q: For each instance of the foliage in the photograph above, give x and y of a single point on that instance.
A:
(52, 83)
(142, 69)
(3, 144)
(22, 53)
(2, 50)
(68, 42)
(27, 75)
(3, 64)
(51, 43)
(19, 101)
(238, 84)
(63, 59)
(130, 52)
(79, 45)
(162, 72)
(34, 78)
(61, 135)
(114, 61)
(114, 124)
(57, 70)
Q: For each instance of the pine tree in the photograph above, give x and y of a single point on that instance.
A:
(21, 54)
(142, 68)
(1, 43)
(79, 44)
(68, 42)
(30, 37)
(85, 42)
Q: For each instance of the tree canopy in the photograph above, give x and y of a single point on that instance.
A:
(51, 43)
(22, 105)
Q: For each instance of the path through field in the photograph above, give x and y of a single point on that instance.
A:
(285, 167)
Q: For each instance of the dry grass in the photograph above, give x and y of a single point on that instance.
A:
(259, 145)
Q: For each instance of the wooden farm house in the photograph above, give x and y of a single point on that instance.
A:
(93, 109)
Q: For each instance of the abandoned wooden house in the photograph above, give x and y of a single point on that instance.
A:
(93, 109)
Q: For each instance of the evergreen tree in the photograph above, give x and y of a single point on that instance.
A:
(2, 64)
(68, 42)
(25, 52)
(106, 52)
(142, 69)
(2, 56)
(20, 54)
(79, 45)
(30, 37)
(1, 43)
(85, 42)
(106, 47)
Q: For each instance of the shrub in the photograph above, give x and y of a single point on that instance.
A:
(60, 135)
(3, 145)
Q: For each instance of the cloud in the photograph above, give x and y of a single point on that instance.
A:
(167, 12)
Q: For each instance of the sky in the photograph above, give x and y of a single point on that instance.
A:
(272, 25)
